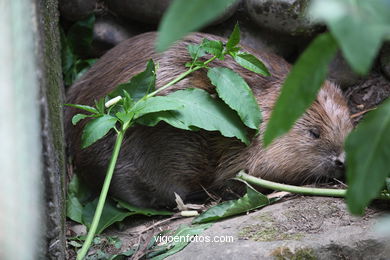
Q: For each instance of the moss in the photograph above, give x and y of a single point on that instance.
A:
(284, 253)
(267, 232)
(265, 217)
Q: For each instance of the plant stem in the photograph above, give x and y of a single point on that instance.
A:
(297, 189)
(180, 77)
(99, 209)
(291, 188)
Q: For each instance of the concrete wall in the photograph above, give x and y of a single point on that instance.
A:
(31, 134)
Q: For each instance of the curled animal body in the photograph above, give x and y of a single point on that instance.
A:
(155, 162)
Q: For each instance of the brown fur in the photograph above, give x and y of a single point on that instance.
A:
(156, 162)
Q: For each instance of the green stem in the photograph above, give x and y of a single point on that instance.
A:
(180, 77)
(291, 188)
(297, 189)
(99, 209)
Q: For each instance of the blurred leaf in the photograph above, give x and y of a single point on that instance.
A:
(96, 128)
(251, 63)
(182, 231)
(82, 66)
(184, 16)
(143, 211)
(110, 215)
(250, 201)
(77, 195)
(234, 38)
(200, 111)
(358, 26)
(301, 86)
(388, 183)
(139, 85)
(74, 209)
(80, 36)
(67, 57)
(236, 93)
(368, 153)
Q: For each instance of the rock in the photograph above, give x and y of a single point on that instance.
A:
(151, 11)
(146, 11)
(75, 10)
(300, 228)
(108, 32)
(385, 60)
(367, 95)
(341, 73)
(286, 16)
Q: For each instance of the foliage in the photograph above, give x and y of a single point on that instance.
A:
(250, 201)
(184, 16)
(81, 209)
(74, 44)
(368, 158)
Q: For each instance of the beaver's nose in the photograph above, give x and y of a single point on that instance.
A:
(339, 161)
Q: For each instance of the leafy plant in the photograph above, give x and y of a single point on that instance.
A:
(250, 201)
(136, 102)
(74, 44)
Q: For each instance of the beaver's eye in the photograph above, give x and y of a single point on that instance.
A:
(315, 133)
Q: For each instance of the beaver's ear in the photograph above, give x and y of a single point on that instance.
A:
(314, 133)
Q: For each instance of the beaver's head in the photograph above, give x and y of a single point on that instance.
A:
(313, 148)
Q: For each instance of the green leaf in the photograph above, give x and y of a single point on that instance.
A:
(195, 51)
(82, 66)
(99, 104)
(110, 215)
(170, 117)
(388, 184)
(143, 211)
(67, 56)
(184, 16)
(251, 63)
(139, 85)
(155, 104)
(76, 118)
(97, 128)
(234, 38)
(368, 156)
(200, 111)
(182, 231)
(250, 201)
(77, 195)
(236, 93)
(213, 47)
(80, 36)
(301, 86)
(358, 26)
(125, 117)
(74, 209)
(83, 107)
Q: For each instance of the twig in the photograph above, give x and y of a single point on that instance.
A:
(362, 112)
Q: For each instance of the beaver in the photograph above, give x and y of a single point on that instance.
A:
(156, 162)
